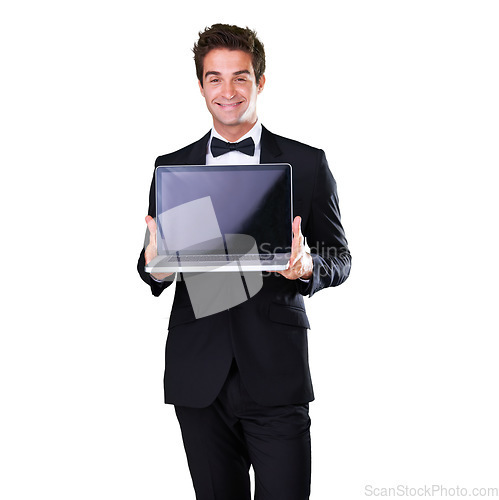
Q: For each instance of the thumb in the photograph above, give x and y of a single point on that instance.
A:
(296, 243)
(297, 226)
(151, 225)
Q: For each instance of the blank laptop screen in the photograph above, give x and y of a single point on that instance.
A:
(198, 204)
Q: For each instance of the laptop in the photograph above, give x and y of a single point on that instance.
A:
(223, 218)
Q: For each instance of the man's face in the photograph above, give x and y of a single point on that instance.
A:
(230, 91)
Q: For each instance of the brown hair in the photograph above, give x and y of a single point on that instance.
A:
(226, 36)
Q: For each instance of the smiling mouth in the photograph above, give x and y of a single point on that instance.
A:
(230, 105)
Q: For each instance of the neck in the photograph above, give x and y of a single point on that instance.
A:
(233, 133)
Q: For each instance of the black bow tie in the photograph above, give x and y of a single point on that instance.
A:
(219, 147)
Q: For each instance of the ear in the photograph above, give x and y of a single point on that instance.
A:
(261, 83)
(201, 88)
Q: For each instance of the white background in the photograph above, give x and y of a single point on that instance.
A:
(402, 96)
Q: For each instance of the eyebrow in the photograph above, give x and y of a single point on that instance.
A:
(217, 73)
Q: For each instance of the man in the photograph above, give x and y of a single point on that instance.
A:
(239, 379)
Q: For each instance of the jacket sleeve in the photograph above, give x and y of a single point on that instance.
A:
(325, 235)
(156, 286)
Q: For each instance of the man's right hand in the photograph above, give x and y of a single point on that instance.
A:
(152, 249)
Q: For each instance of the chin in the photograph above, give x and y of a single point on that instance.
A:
(230, 123)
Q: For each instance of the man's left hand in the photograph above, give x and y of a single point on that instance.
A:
(301, 264)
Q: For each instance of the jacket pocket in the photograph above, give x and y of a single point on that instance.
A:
(288, 315)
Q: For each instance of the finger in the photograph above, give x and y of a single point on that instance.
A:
(151, 225)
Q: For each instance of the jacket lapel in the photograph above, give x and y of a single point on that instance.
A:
(270, 154)
(270, 148)
(197, 154)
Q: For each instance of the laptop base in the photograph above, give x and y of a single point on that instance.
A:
(211, 263)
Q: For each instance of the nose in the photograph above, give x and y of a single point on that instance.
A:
(228, 90)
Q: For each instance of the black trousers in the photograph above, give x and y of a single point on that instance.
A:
(224, 439)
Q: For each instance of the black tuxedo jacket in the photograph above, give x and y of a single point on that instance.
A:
(267, 334)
